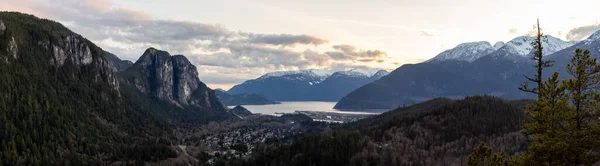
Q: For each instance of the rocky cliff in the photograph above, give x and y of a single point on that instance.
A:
(171, 78)
(60, 49)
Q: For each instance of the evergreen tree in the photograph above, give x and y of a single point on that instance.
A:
(548, 115)
(482, 156)
(564, 119)
(537, 56)
(583, 114)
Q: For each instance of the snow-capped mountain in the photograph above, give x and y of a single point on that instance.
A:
(517, 47)
(308, 85)
(592, 38)
(380, 74)
(499, 73)
(499, 45)
(311, 73)
(521, 45)
(365, 73)
(563, 57)
(310, 77)
(469, 52)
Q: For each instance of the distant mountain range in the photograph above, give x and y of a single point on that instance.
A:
(242, 99)
(308, 85)
(468, 69)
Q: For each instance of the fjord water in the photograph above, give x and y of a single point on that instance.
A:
(292, 106)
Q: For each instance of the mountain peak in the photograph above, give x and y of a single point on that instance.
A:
(498, 45)
(171, 78)
(469, 51)
(522, 45)
(594, 36)
(309, 72)
(380, 73)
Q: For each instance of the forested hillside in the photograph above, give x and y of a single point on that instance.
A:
(61, 103)
(437, 132)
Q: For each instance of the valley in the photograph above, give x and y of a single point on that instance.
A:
(65, 100)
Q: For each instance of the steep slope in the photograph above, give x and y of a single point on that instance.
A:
(563, 57)
(243, 99)
(413, 83)
(116, 63)
(521, 46)
(341, 83)
(308, 85)
(498, 73)
(478, 109)
(173, 79)
(60, 102)
(467, 51)
(432, 133)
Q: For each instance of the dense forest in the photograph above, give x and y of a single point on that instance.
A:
(436, 132)
(61, 104)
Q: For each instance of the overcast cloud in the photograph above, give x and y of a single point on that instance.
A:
(583, 32)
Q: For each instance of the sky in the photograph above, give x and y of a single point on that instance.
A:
(231, 41)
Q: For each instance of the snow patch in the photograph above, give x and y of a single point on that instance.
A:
(310, 72)
(470, 51)
(522, 45)
(499, 45)
(594, 36)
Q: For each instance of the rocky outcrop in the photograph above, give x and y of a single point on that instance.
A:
(56, 46)
(2, 28)
(13, 49)
(78, 51)
(73, 48)
(171, 78)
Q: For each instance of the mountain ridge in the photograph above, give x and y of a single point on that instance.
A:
(307, 85)
(496, 73)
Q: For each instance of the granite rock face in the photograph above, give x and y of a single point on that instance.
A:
(73, 48)
(171, 78)
(2, 28)
(57, 47)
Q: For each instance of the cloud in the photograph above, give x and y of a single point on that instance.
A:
(344, 48)
(513, 31)
(583, 32)
(348, 52)
(223, 56)
(286, 39)
(338, 55)
(425, 33)
(366, 60)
